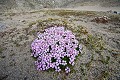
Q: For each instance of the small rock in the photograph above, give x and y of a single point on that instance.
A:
(22, 20)
(25, 78)
(2, 26)
(2, 77)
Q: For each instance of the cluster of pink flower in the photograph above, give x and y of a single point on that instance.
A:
(54, 48)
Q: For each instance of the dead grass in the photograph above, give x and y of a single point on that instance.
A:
(37, 11)
(80, 30)
(115, 18)
(94, 43)
(16, 43)
(1, 49)
(9, 14)
(31, 23)
(71, 13)
(105, 60)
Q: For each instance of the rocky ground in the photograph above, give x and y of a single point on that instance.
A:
(99, 60)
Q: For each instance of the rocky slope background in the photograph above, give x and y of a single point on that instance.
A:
(97, 31)
(39, 4)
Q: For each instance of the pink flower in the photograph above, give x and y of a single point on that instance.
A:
(52, 47)
(67, 69)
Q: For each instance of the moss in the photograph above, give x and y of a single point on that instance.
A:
(105, 60)
(115, 18)
(2, 56)
(104, 75)
(10, 14)
(12, 63)
(88, 65)
(12, 54)
(83, 70)
(33, 32)
(16, 43)
(1, 49)
(23, 37)
(50, 22)
(80, 30)
(50, 70)
(94, 43)
(32, 23)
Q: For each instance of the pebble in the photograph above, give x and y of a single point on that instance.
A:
(2, 26)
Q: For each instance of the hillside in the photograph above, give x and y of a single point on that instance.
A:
(39, 4)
